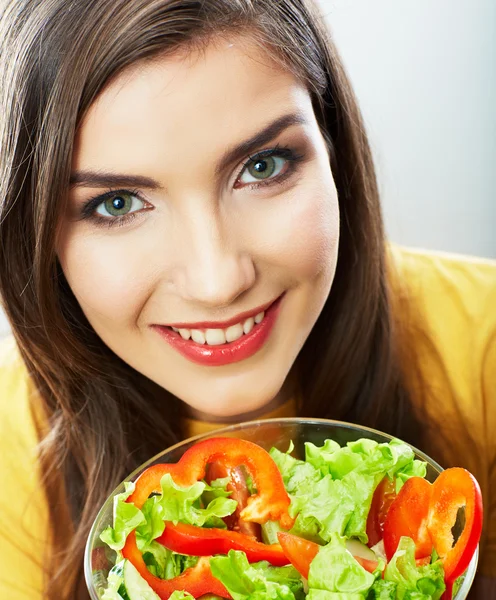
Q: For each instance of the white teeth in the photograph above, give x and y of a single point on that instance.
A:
(248, 325)
(198, 336)
(215, 337)
(234, 332)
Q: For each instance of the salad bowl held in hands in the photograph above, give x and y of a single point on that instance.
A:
(288, 509)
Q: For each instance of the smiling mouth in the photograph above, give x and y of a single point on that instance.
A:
(218, 337)
(216, 346)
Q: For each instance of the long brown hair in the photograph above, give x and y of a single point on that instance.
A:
(55, 57)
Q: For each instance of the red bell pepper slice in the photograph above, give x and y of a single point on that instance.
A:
(301, 552)
(382, 499)
(407, 516)
(198, 541)
(427, 513)
(453, 489)
(197, 580)
(271, 502)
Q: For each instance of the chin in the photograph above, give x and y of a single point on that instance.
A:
(233, 401)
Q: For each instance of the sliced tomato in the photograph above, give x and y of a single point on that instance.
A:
(453, 489)
(407, 516)
(382, 499)
(368, 565)
(239, 492)
(301, 552)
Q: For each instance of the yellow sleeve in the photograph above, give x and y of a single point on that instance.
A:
(451, 323)
(24, 535)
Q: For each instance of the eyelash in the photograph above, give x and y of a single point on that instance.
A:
(88, 211)
(281, 152)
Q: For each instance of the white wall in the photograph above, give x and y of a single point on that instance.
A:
(425, 75)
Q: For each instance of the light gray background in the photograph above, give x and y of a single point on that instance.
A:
(424, 72)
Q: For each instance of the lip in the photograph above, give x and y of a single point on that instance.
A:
(214, 356)
(223, 324)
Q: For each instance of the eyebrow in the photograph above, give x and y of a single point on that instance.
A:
(261, 138)
(100, 179)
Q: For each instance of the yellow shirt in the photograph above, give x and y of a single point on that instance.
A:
(452, 313)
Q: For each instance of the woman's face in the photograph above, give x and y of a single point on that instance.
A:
(202, 200)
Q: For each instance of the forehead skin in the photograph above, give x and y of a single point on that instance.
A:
(213, 107)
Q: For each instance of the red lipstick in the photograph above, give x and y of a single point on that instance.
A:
(214, 356)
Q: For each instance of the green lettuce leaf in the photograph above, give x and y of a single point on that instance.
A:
(182, 504)
(216, 489)
(324, 595)
(126, 518)
(180, 595)
(199, 504)
(165, 563)
(382, 590)
(331, 492)
(335, 570)
(413, 582)
(337, 505)
(152, 527)
(416, 468)
(296, 474)
(257, 581)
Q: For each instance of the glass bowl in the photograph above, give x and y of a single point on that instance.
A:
(266, 433)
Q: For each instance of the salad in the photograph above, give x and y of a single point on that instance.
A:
(358, 522)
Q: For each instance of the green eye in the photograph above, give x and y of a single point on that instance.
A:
(262, 168)
(120, 205)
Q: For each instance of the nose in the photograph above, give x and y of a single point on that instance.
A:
(215, 270)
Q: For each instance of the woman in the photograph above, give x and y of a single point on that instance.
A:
(191, 235)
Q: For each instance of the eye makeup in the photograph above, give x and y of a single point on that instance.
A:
(89, 210)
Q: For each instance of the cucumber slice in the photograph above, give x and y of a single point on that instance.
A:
(114, 584)
(358, 549)
(269, 532)
(134, 587)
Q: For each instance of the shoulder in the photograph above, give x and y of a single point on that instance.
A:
(13, 373)
(23, 509)
(438, 279)
(18, 426)
(448, 302)
(445, 305)
(15, 389)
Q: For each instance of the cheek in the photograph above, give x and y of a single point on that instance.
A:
(104, 276)
(301, 235)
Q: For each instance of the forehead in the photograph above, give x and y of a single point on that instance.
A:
(187, 101)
